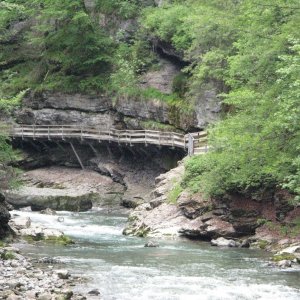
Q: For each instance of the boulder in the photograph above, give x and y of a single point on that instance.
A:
(40, 232)
(55, 199)
(216, 227)
(133, 202)
(21, 222)
(293, 249)
(284, 263)
(94, 292)
(222, 242)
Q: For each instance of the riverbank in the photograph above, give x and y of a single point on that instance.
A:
(120, 267)
(269, 223)
(22, 279)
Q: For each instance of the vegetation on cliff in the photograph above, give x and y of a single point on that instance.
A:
(249, 50)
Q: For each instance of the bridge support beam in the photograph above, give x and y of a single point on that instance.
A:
(77, 156)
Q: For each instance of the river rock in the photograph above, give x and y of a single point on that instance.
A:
(284, 263)
(245, 243)
(44, 296)
(13, 296)
(293, 249)
(41, 232)
(222, 242)
(132, 203)
(60, 219)
(49, 260)
(94, 292)
(21, 222)
(48, 211)
(63, 274)
(151, 244)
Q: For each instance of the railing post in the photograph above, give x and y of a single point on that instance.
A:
(145, 134)
(191, 145)
(34, 132)
(48, 133)
(99, 134)
(62, 132)
(22, 133)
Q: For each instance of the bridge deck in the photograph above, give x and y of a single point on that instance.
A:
(194, 143)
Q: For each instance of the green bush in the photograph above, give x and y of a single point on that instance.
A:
(174, 193)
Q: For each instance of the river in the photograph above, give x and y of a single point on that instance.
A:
(122, 268)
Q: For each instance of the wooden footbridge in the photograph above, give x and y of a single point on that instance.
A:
(193, 143)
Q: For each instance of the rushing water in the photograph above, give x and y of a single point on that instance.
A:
(122, 268)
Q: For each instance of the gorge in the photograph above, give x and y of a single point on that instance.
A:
(136, 135)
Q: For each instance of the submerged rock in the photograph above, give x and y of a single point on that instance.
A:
(48, 211)
(94, 292)
(49, 260)
(222, 242)
(151, 244)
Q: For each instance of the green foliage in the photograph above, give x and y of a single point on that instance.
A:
(257, 145)
(262, 244)
(7, 255)
(7, 105)
(283, 256)
(174, 193)
(180, 83)
(125, 9)
(61, 240)
(64, 49)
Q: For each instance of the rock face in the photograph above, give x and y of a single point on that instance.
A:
(207, 107)
(193, 216)
(46, 108)
(4, 218)
(161, 79)
(68, 102)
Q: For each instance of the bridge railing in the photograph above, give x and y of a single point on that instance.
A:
(195, 143)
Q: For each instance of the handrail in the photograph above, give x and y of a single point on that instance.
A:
(192, 142)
